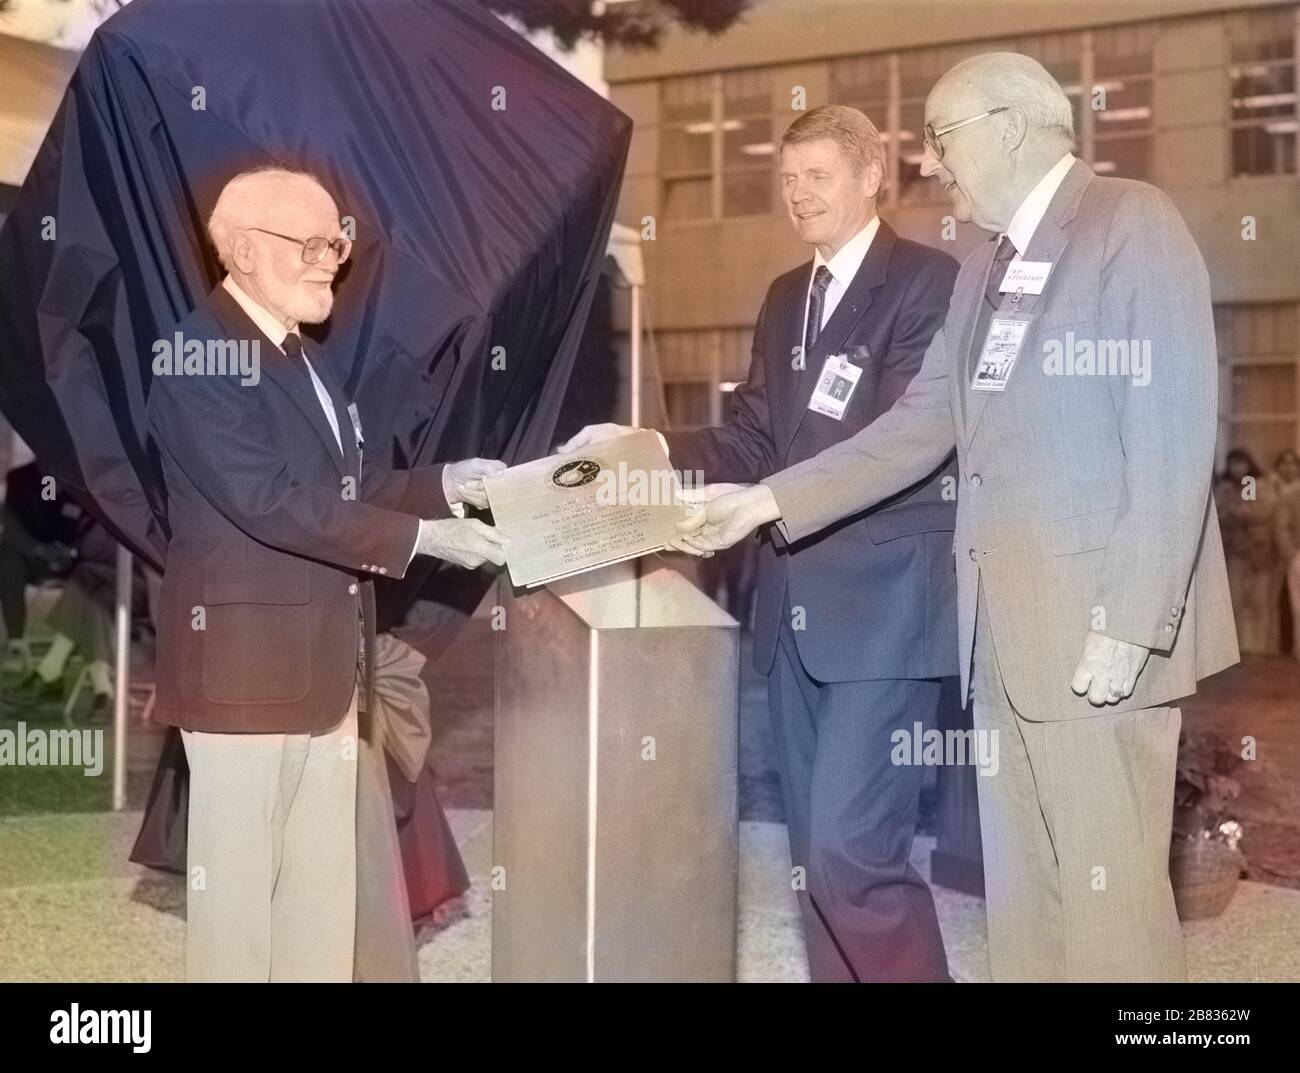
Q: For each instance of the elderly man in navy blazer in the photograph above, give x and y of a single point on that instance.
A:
(266, 620)
(855, 626)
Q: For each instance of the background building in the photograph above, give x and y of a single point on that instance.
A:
(1199, 98)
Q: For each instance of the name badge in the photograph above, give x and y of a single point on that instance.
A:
(356, 423)
(1027, 276)
(999, 353)
(835, 386)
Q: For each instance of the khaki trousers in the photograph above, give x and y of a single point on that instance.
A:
(1075, 827)
(272, 855)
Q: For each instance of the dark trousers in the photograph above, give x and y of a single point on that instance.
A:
(867, 914)
(16, 570)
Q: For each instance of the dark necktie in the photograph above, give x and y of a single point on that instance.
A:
(816, 302)
(1001, 258)
(292, 345)
(992, 299)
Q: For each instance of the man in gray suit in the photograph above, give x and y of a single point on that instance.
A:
(1075, 374)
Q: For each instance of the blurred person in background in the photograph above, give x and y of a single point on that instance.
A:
(38, 529)
(81, 622)
(1247, 500)
(1287, 471)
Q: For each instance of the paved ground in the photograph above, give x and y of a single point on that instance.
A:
(72, 909)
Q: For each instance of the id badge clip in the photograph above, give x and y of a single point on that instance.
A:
(836, 384)
(1001, 349)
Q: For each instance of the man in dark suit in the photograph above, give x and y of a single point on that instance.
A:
(854, 627)
(266, 619)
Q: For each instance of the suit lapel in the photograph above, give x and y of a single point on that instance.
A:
(348, 432)
(1048, 244)
(291, 377)
(853, 306)
(970, 300)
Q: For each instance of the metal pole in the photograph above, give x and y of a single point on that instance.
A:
(122, 691)
(636, 356)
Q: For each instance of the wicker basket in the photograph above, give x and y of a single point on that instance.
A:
(1204, 873)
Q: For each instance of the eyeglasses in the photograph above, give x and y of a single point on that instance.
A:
(314, 249)
(930, 137)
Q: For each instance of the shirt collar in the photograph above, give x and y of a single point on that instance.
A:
(268, 323)
(1032, 210)
(845, 264)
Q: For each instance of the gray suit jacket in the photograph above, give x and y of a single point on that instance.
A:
(1085, 499)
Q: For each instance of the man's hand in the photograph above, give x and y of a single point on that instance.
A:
(1108, 669)
(464, 541)
(463, 481)
(593, 434)
(726, 520)
(697, 497)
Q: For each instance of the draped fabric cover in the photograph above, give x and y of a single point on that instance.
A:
(480, 177)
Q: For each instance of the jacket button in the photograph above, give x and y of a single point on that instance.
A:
(976, 479)
(1169, 629)
(974, 555)
(352, 589)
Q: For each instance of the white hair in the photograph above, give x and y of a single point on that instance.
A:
(242, 198)
(1018, 81)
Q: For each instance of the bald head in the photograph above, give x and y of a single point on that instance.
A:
(989, 165)
(1008, 78)
(254, 210)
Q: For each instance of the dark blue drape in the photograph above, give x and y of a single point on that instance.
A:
(477, 226)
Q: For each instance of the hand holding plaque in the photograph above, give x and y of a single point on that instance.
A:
(569, 513)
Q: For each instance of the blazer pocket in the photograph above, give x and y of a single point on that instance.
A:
(257, 585)
(910, 520)
(1065, 317)
(256, 641)
(1081, 532)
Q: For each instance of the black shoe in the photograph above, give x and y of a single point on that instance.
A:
(34, 692)
(101, 707)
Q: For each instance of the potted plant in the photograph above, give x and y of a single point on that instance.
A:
(1204, 862)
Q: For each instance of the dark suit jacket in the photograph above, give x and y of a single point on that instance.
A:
(878, 589)
(274, 540)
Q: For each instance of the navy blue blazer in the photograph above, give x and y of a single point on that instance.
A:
(275, 539)
(878, 590)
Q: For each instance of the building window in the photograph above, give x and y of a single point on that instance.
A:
(1116, 139)
(687, 404)
(686, 147)
(717, 145)
(699, 368)
(1259, 348)
(748, 144)
(862, 82)
(1262, 74)
(1123, 78)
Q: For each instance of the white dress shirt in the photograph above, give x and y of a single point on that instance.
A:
(843, 267)
(271, 327)
(1030, 214)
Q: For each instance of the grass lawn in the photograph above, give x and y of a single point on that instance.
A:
(29, 790)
